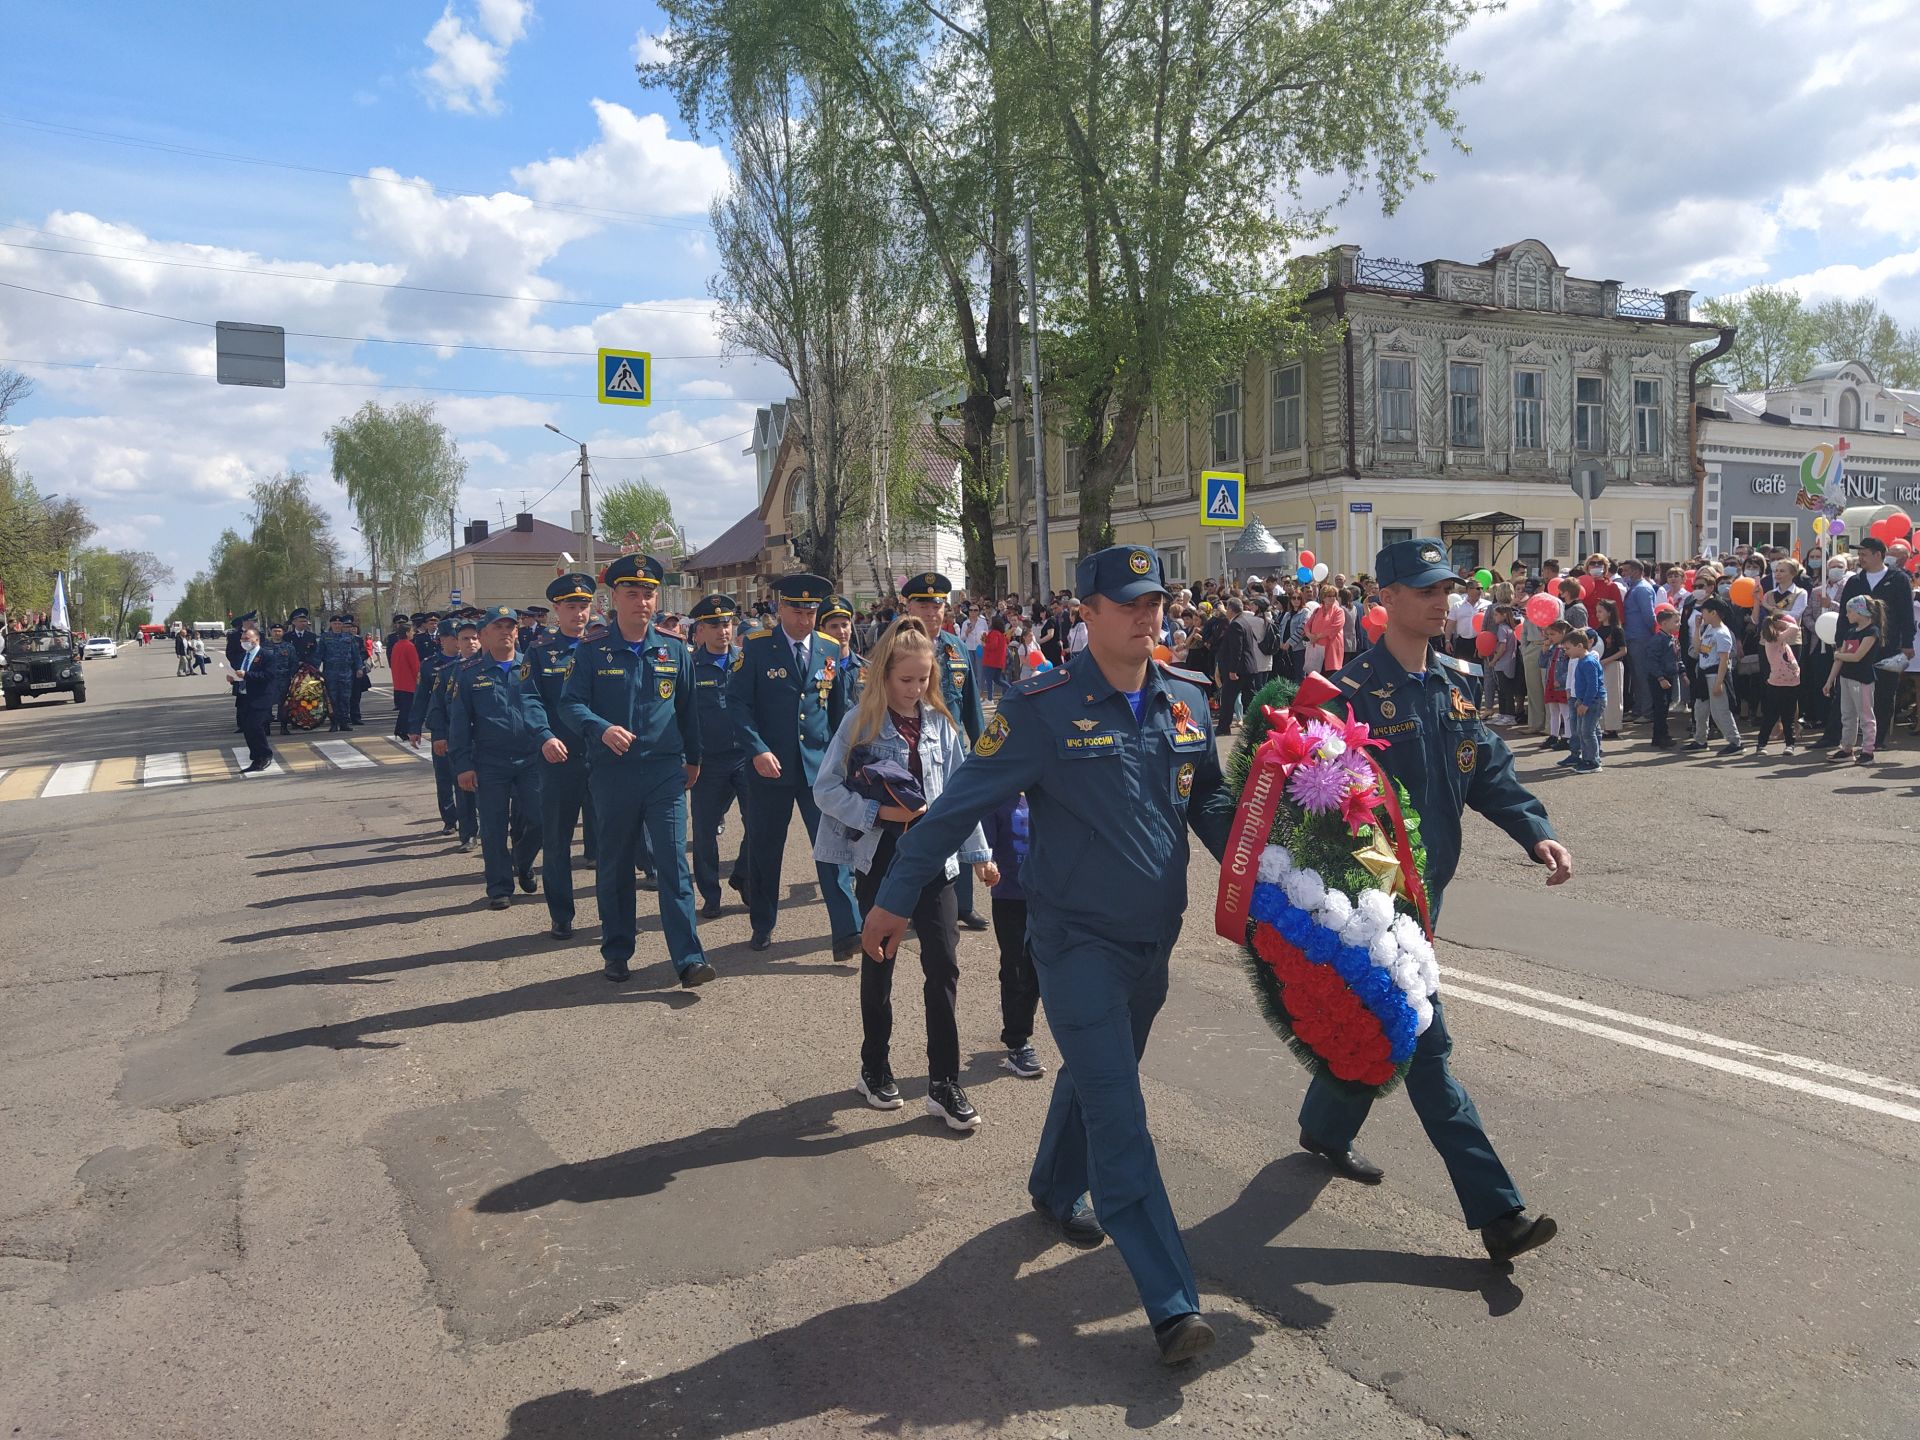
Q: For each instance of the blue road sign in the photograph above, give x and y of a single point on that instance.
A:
(626, 377)
(1326, 524)
(1360, 507)
(1222, 498)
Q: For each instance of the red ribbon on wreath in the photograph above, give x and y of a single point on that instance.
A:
(1279, 754)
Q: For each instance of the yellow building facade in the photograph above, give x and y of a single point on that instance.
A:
(1456, 401)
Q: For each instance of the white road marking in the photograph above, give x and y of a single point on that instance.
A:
(343, 756)
(1698, 1037)
(168, 768)
(243, 758)
(72, 778)
(406, 749)
(1697, 1057)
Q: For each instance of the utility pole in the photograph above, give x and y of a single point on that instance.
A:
(1039, 414)
(1016, 434)
(586, 510)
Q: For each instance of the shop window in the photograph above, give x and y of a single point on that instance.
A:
(1763, 534)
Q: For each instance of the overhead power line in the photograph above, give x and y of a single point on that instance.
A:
(655, 307)
(319, 335)
(107, 137)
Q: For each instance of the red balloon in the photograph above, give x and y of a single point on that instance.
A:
(1479, 621)
(1878, 530)
(1543, 610)
(1374, 622)
(1306, 558)
(1899, 527)
(1484, 644)
(1687, 579)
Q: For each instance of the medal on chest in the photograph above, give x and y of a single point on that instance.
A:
(825, 683)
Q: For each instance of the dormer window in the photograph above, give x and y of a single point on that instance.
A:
(1849, 409)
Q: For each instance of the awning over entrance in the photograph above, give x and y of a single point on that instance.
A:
(1503, 528)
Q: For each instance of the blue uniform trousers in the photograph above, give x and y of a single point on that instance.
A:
(456, 805)
(963, 890)
(339, 700)
(769, 811)
(1332, 1117)
(508, 845)
(563, 795)
(1100, 997)
(723, 779)
(628, 801)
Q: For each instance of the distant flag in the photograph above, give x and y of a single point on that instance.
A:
(60, 601)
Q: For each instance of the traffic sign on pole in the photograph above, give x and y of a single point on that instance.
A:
(1222, 498)
(626, 377)
(453, 597)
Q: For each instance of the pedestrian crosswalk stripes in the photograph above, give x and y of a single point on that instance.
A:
(167, 768)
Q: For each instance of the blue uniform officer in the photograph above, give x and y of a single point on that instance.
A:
(466, 644)
(493, 744)
(341, 661)
(788, 697)
(1115, 753)
(630, 698)
(723, 764)
(1421, 702)
(563, 788)
(927, 595)
(835, 620)
(432, 666)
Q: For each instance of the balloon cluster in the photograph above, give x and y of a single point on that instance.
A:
(1310, 571)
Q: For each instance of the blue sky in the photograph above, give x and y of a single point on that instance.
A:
(1712, 145)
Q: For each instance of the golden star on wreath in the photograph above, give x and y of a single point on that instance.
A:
(1380, 861)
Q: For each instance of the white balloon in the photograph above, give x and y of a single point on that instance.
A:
(1320, 572)
(1827, 627)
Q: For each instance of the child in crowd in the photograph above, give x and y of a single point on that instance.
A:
(1510, 688)
(902, 723)
(1006, 833)
(1713, 694)
(1587, 693)
(1663, 663)
(1779, 646)
(1852, 674)
(1553, 677)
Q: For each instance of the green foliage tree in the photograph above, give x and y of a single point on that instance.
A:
(290, 550)
(108, 585)
(1775, 343)
(39, 535)
(1861, 330)
(633, 507)
(402, 471)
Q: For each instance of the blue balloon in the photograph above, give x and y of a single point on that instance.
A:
(1304, 574)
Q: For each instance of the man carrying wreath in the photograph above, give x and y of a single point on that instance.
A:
(1422, 703)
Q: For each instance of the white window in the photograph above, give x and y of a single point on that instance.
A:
(1226, 423)
(1463, 405)
(1286, 408)
(1173, 563)
(1646, 548)
(1590, 414)
(1530, 549)
(1646, 418)
(1529, 409)
(1396, 401)
(1763, 534)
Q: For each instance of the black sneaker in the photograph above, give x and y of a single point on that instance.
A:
(1023, 1062)
(710, 910)
(618, 974)
(466, 847)
(498, 902)
(1733, 749)
(1081, 1228)
(1697, 745)
(561, 931)
(760, 940)
(881, 1092)
(529, 882)
(949, 1102)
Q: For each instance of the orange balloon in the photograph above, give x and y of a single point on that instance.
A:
(1744, 592)
(1163, 655)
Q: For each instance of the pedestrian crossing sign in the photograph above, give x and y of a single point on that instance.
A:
(626, 377)
(1222, 498)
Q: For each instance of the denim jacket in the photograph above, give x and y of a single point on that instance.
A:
(849, 822)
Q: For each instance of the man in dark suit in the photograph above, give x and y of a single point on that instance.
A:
(235, 653)
(1244, 662)
(256, 677)
(787, 698)
(1894, 591)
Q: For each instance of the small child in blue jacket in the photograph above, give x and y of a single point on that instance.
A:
(1006, 833)
(1587, 694)
(1663, 665)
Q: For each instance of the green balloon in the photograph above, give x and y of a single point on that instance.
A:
(1484, 577)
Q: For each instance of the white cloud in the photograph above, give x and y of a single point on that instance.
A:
(634, 162)
(470, 62)
(650, 49)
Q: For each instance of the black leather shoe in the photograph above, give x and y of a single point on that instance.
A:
(1182, 1338)
(561, 932)
(696, 975)
(616, 973)
(498, 902)
(974, 920)
(1081, 1228)
(738, 885)
(1517, 1233)
(646, 881)
(1349, 1163)
(847, 952)
(529, 883)
(760, 941)
(710, 910)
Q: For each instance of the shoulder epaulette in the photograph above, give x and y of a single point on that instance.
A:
(1045, 680)
(827, 639)
(1192, 677)
(1459, 667)
(756, 635)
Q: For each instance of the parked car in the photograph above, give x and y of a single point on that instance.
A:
(42, 662)
(102, 647)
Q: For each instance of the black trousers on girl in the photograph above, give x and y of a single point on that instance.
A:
(1019, 982)
(936, 925)
(1777, 703)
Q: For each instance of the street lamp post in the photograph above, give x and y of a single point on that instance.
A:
(586, 510)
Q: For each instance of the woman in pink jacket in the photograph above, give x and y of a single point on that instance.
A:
(1327, 628)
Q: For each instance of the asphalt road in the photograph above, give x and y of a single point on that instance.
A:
(295, 1139)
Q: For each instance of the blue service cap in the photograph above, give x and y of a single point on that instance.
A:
(571, 586)
(446, 629)
(1418, 563)
(803, 589)
(927, 585)
(243, 619)
(634, 570)
(836, 605)
(298, 613)
(499, 612)
(713, 607)
(1119, 572)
